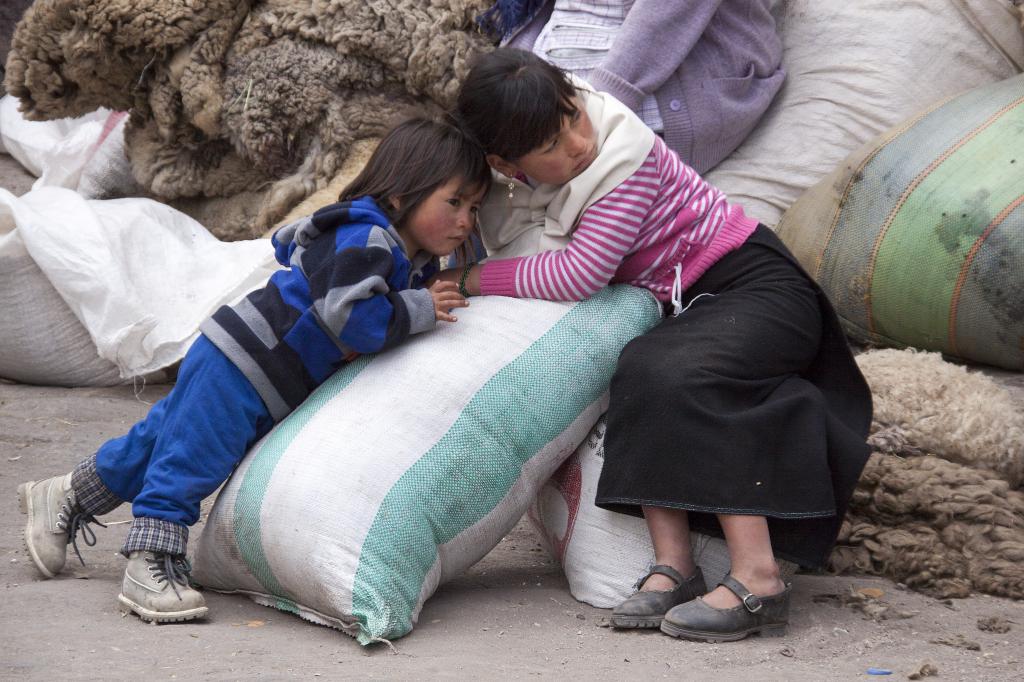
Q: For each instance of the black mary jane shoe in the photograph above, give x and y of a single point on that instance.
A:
(646, 609)
(695, 620)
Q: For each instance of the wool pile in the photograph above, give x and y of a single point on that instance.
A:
(939, 506)
(10, 13)
(229, 97)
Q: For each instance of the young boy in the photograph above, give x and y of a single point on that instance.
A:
(353, 284)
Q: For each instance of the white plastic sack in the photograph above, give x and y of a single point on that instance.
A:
(85, 154)
(604, 553)
(854, 70)
(41, 340)
(139, 275)
(405, 468)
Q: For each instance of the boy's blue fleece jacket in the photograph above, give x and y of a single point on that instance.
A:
(348, 289)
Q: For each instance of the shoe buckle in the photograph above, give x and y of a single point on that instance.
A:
(752, 603)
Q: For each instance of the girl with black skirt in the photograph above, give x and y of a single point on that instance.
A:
(742, 414)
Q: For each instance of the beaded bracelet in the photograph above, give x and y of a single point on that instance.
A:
(462, 279)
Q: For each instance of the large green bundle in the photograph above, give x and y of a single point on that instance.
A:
(918, 237)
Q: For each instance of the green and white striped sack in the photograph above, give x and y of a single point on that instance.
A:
(405, 468)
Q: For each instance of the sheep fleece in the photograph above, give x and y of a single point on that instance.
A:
(939, 505)
(233, 95)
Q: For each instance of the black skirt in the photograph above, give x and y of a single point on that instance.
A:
(749, 402)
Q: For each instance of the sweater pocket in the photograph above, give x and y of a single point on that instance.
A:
(738, 101)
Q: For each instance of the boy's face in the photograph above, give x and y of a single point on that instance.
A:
(560, 159)
(443, 220)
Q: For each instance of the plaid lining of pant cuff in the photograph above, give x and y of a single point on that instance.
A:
(91, 493)
(155, 535)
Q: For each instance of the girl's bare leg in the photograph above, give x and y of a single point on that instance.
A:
(752, 561)
(670, 535)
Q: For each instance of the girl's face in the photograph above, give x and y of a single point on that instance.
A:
(560, 159)
(442, 221)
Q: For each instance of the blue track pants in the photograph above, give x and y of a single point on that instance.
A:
(190, 441)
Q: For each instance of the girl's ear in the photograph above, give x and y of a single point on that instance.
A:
(501, 165)
(395, 203)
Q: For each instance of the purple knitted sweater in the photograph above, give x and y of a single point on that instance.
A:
(712, 65)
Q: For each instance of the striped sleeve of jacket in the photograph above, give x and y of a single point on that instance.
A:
(355, 300)
(345, 292)
(606, 233)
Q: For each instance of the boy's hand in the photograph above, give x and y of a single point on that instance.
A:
(446, 296)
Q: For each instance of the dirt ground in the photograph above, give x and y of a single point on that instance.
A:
(510, 616)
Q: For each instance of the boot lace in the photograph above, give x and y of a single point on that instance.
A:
(73, 520)
(170, 568)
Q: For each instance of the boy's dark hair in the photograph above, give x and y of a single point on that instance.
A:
(412, 160)
(513, 102)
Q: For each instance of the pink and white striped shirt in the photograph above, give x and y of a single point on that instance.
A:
(663, 215)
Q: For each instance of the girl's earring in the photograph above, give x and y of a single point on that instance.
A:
(511, 189)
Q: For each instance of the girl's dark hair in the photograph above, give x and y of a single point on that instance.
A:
(412, 160)
(513, 102)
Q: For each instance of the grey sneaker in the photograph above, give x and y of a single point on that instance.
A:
(156, 588)
(54, 521)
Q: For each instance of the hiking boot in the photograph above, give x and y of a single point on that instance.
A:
(646, 609)
(54, 520)
(156, 588)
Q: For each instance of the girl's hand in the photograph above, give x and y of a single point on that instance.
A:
(471, 282)
(446, 296)
(449, 275)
